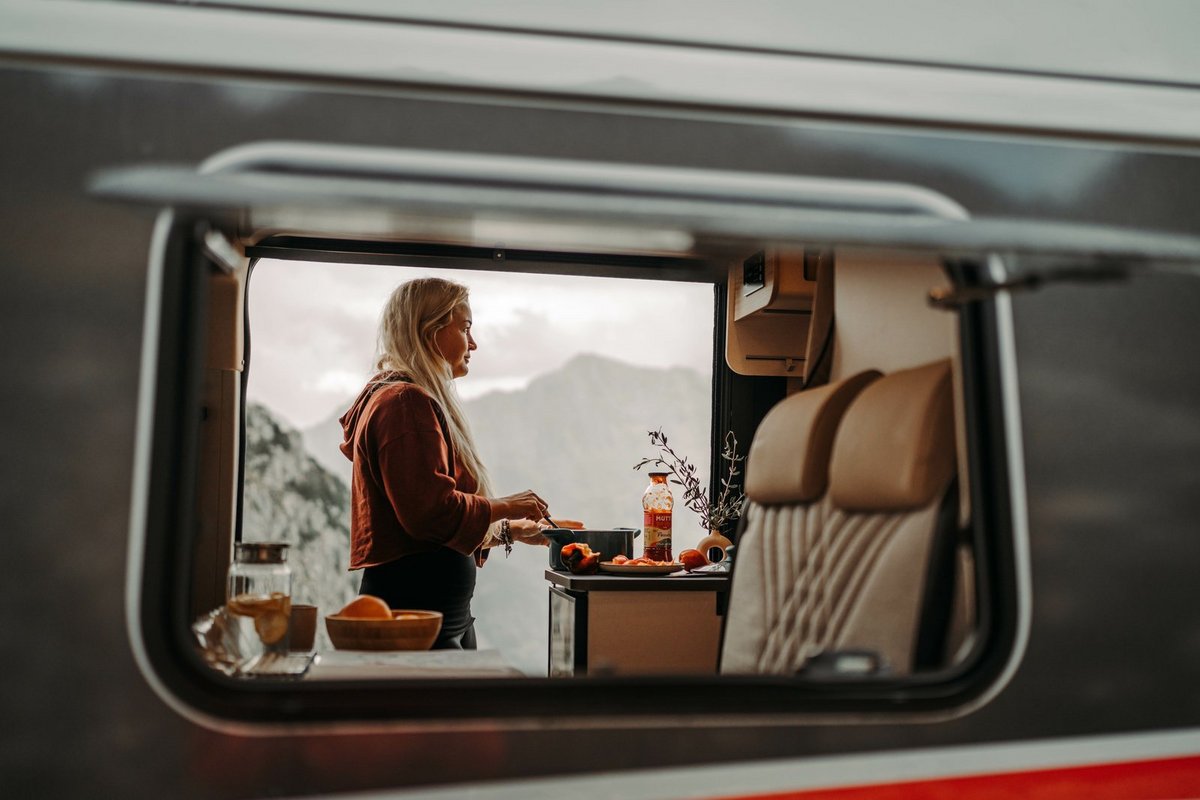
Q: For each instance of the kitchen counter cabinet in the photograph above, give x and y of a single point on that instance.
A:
(634, 625)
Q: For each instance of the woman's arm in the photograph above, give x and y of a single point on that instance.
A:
(424, 496)
(522, 505)
(416, 474)
(528, 532)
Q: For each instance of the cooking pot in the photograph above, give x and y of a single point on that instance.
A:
(610, 543)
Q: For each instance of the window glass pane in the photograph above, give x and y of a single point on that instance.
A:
(570, 375)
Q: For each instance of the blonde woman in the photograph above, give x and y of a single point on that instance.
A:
(422, 516)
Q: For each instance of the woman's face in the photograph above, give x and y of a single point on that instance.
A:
(454, 342)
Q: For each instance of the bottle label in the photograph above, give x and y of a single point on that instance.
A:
(657, 525)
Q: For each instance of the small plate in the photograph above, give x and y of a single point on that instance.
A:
(639, 569)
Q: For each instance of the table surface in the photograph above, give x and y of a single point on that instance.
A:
(677, 582)
(383, 665)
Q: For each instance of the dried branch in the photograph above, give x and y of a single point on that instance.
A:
(713, 515)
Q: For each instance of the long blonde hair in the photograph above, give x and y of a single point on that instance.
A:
(414, 313)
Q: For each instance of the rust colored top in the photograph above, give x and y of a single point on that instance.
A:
(409, 493)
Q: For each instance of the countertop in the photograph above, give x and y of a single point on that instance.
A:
(383, 665)
(677, 582)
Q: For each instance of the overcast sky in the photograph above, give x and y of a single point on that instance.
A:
(313, 328)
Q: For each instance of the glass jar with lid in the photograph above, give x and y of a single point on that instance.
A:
(259, 597)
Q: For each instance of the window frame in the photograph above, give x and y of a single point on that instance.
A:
(160, 628)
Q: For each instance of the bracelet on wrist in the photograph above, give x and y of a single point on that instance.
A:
(506, 538)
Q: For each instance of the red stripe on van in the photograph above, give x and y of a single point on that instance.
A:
(1162, 779)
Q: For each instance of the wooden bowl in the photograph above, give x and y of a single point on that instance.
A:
(406, 630)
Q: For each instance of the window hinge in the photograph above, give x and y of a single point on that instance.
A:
(221, 251)
(954, 297)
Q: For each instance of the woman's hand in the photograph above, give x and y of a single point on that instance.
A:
(527, 531)
(522, 505)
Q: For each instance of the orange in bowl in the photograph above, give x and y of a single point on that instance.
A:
(404, 629)
(366, 606)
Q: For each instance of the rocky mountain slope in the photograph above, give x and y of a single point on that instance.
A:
(289, 497)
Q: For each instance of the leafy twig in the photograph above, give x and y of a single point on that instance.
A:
(713, 515)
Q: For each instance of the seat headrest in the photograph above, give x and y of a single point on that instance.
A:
(895, 448)
(789, 457)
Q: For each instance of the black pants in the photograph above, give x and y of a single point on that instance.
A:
(442, 580)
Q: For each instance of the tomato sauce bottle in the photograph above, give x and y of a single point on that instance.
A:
(656, 513)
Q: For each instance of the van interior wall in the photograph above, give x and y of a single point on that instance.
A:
(882, 319)
(220, 430)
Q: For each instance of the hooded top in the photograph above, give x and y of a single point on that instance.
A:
(409, 493)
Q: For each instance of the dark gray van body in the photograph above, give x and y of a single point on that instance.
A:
(1108, 379)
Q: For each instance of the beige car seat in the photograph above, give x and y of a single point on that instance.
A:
(842, 570)
(787, 475)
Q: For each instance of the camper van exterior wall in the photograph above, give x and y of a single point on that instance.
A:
(1103, 455)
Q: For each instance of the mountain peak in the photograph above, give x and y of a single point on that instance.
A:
(593, 369)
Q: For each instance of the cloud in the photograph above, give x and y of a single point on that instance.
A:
(313, 328)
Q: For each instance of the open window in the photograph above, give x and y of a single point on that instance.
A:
(571, 373)
(833, 303)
